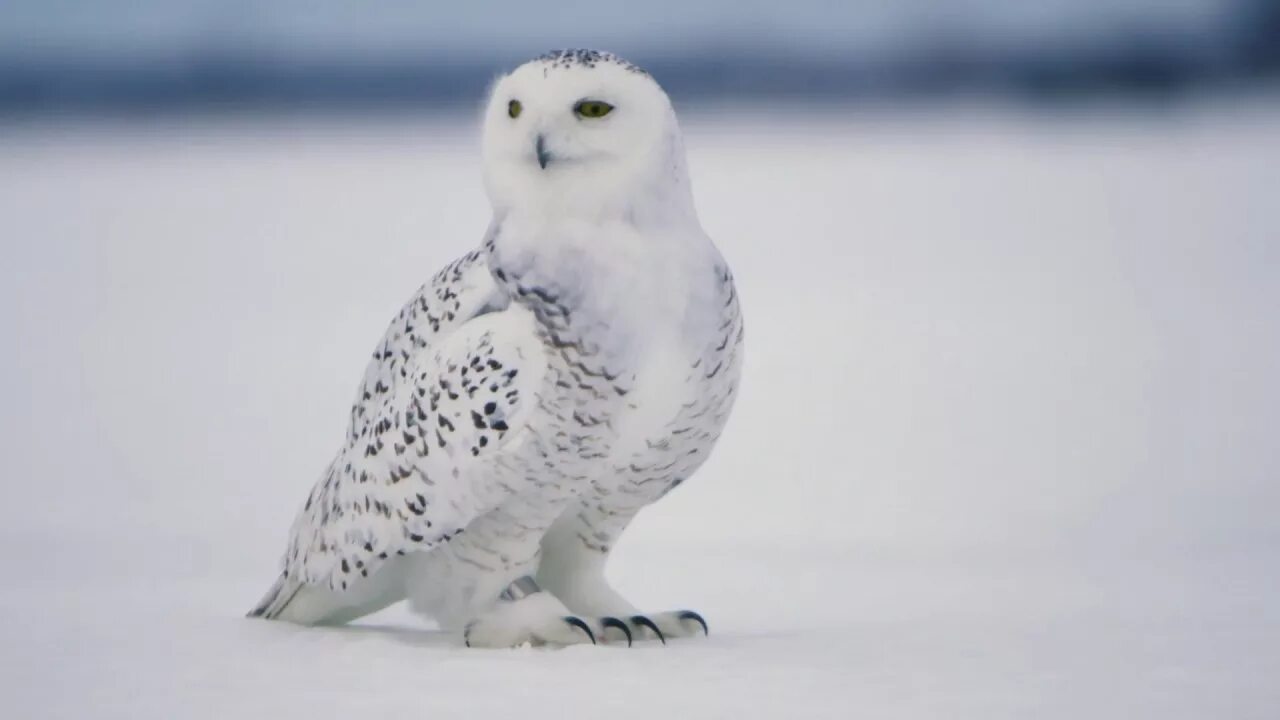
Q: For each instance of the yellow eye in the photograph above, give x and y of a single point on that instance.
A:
(514, 108)
(592, 108)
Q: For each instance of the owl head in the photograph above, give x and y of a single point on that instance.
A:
(583, 132)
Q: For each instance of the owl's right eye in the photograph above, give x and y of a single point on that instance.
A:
(514, 108)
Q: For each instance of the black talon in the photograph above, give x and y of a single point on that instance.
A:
(613, 622)
(577, 622)
(691, 615)
(643, 621)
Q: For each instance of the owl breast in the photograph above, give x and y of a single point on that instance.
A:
(643, 364)
(692, 405)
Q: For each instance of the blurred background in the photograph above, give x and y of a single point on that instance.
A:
(327, 54)
(1006, 443)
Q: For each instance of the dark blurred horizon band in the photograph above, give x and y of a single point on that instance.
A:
(74, 56)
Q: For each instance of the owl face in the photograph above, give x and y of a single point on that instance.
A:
(575, 128)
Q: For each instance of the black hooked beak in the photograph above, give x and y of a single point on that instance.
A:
(540, 148)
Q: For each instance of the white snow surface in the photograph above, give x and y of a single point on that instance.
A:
(1006, 445)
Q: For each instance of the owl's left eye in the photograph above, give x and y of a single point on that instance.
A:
(513, 108)
(592, 108)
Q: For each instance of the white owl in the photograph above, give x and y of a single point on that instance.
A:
(537, 393)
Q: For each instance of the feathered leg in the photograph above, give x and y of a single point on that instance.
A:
(574, 553)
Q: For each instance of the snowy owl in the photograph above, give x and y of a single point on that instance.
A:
(538, 392)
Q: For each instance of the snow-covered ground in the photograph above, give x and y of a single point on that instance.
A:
(1007, 444)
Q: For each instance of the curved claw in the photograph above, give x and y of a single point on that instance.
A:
(691, 615)
(613, 622)
(643, 621)
(577, 622)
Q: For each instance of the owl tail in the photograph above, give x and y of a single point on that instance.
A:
(276, 599)
(294, 601)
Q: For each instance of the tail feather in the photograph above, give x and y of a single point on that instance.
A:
(294, 601)
(276, 599)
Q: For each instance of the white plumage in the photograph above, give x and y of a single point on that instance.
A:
(532, 397)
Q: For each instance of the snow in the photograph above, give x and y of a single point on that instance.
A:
(1005, 448)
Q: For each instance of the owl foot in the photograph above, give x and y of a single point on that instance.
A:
(512, 625)
(538, 619)
(527, 615)
(674, 624)
(657, 626)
